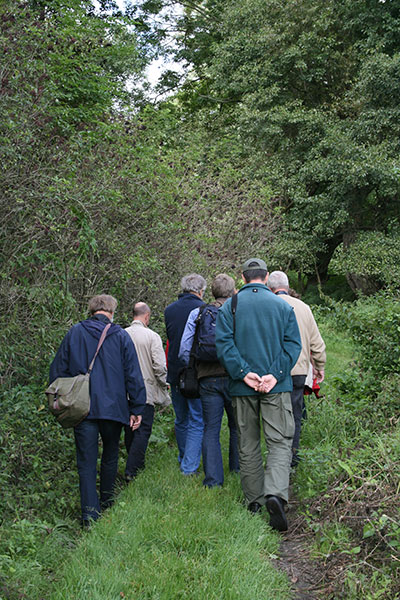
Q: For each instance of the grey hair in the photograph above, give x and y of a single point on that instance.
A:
(102, 302)
(193, 283)
(278, 279)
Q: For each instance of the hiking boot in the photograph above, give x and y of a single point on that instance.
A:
(254, 507)
(276, 509)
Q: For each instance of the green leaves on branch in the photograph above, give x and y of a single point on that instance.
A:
(310, 91)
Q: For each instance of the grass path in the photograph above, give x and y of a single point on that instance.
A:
(168, 537)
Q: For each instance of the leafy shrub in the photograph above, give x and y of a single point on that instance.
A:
(37, 465)
(374, 324)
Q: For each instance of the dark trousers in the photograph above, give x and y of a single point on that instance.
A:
(87, 446)
(136, 442)
(297, 398)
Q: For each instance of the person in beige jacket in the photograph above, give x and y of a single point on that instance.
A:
(152, 363)
(313, 348)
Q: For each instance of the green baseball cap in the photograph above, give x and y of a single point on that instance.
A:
(254, 263)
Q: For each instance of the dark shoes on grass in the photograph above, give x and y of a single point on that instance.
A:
(276, 508)
(254, 507)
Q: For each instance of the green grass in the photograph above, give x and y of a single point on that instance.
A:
(169, 537)
(340, 350)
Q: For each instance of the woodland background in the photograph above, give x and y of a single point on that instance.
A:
(278, 136)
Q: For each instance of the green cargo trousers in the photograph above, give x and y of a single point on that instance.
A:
(278, 426)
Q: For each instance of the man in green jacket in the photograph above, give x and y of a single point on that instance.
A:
(259, 344)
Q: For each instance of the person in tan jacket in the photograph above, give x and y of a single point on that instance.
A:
(152, 363)
(313, 348)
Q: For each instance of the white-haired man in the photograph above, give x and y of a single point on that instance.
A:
(313, 346)
(188, 412)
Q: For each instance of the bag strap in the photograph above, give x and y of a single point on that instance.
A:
(233, 308)
(196, 335)
(197, 320)
(99, 345)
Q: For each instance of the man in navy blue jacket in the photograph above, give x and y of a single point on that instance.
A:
(188, 413)
(117, 398)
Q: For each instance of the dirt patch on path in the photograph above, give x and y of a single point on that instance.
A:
(308, 576)
(301, 572)
(304, 573)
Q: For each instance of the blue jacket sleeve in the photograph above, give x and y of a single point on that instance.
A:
(291, 349)
(227, 352)
(187, 337)
(133, 378)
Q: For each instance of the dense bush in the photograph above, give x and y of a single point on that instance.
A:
(38, 459)
(374, 324)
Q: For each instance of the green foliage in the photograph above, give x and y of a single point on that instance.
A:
(348, 477)
(374, 324)
(68, 64)
(38, 512)
(95, 226)
(310, 92)
(372, 254)
(335, 287)
(38, 459)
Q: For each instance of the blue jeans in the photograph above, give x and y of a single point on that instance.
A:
(214, 398)
(188, 430)
(87, 446)
(136, 442)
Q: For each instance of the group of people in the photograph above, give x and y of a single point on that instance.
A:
(265, 342)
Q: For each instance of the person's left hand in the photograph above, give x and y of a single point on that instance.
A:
(252, 380)
(267, 383)
(134, 421)
(319, 375)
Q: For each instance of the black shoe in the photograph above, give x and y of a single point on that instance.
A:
(275, 507)
(254, 507)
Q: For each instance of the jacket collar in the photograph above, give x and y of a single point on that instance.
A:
(100, 317)
(188, 295)
(137, 322)
(257, 284)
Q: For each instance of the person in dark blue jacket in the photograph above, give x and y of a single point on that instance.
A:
(188, 413)
(117, 398)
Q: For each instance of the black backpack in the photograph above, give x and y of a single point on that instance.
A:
(205, 348)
